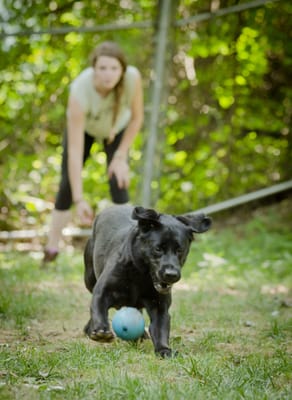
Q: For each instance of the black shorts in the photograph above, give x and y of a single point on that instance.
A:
(64, 195)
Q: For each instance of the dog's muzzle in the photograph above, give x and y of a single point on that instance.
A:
(167, 277)
(162, 288)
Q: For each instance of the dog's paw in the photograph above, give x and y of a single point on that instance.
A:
(166, 353)
(101, 335)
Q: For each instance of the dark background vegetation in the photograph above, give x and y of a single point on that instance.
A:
(226, 123)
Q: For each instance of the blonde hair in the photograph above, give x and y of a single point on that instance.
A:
(112, 49)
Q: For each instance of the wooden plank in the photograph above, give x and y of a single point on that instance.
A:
(33, 233)
(224, 205)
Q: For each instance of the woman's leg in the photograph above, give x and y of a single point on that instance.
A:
(119, 196)
(61, 215)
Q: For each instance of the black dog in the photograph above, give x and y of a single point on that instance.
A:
(133, 258)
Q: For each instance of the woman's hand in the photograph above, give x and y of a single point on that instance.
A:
(120, 169)
(84, 212)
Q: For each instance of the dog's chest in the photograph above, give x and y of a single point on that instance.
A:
(132, 292)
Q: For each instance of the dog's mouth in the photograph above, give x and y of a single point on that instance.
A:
(163, 287)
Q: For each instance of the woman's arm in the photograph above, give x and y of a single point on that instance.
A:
(75, 132)
(135, 124)
(119, 166)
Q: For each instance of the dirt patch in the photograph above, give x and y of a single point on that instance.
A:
(55, 328)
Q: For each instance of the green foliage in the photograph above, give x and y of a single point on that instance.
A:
(227, 115)
(227, 111)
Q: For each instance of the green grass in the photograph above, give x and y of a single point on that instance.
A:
(231, 324)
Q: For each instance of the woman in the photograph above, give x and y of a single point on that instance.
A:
(105, 104)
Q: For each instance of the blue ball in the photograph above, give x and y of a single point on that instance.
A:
(128, 323)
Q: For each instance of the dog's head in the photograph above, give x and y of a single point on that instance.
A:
(164, 243)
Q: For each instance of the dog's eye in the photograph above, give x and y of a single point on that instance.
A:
(158, 249)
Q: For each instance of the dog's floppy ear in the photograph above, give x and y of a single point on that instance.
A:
(198, 223)
(146, 217)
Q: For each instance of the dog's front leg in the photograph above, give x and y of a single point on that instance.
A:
(98, 326)
(159, 330)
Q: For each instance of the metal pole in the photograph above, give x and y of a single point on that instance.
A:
(245, 198)
(158, 81)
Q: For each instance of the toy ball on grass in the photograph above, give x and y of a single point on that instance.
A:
(128, 323)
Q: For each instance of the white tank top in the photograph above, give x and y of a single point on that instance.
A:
(98, 109)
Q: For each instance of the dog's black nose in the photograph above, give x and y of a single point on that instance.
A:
(170, 275)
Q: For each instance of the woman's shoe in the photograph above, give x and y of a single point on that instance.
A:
(50, 255)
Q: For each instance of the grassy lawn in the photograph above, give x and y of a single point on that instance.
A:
(231, 323)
